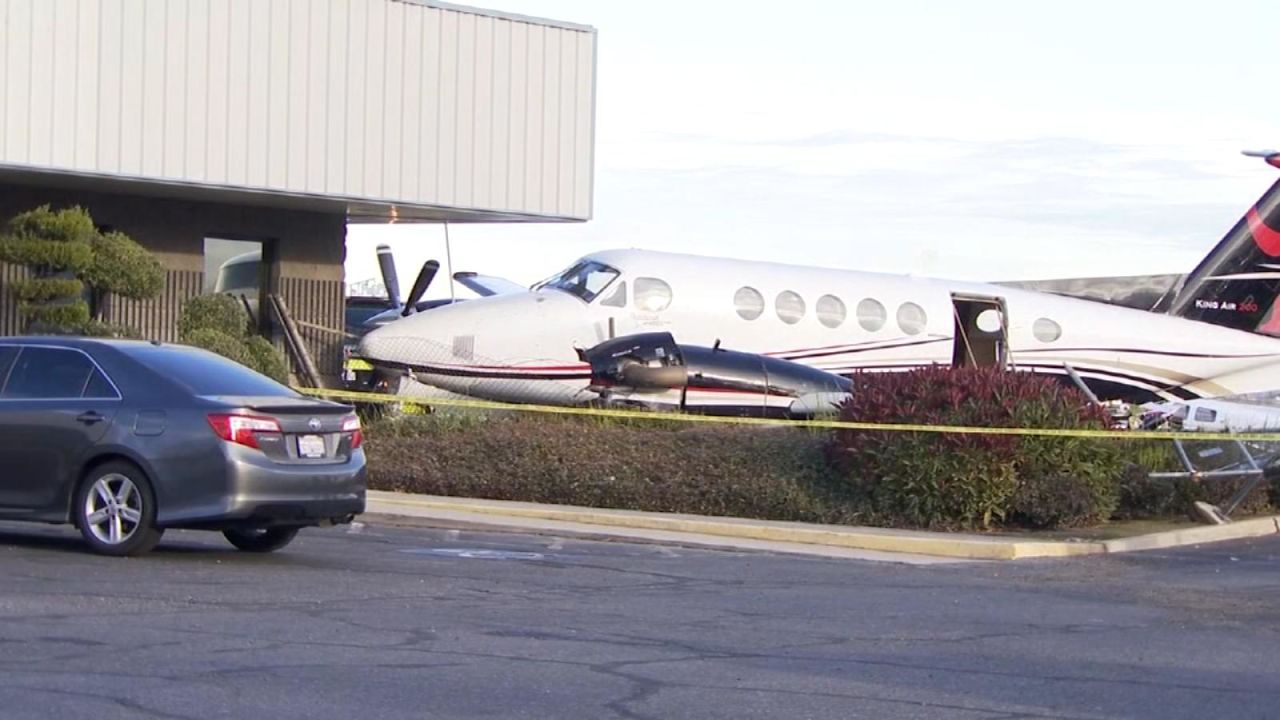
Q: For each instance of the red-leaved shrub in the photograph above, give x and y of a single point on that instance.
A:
(949, 479)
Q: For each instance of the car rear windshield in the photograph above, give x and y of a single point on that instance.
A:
(204, 373)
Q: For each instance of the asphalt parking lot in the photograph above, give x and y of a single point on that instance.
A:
(390, 622)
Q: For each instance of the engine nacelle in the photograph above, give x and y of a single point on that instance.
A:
(652, 369)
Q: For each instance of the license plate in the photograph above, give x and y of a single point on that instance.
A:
(311, 446)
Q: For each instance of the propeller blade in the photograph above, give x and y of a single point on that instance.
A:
(420, 285)
(387, 264)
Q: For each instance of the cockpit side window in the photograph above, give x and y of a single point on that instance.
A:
(652, 294)
(585, 281)
(617, 298)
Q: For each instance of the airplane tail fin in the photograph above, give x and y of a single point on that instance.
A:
(1237, 285)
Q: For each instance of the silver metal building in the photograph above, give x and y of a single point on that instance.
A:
(278, 121)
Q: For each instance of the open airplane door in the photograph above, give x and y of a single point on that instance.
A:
(981, 331)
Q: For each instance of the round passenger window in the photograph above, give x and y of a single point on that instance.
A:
(871, 315)
(830, 311)
(1046, 330)
(989, 321)
(749, 303)
(790, 307)
(911, 318)
(652, 294)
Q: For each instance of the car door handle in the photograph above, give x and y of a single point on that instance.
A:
(89, 418)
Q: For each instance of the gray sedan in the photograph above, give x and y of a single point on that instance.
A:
(125, 439)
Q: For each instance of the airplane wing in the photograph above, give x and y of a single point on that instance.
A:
(487, 285)
(1142, 292)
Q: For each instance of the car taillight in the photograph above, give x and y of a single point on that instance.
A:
(241, 429)
(351, 424)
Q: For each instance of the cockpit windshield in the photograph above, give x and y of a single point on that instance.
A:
(586, 280)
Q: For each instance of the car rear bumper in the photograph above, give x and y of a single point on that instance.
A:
(261, 493)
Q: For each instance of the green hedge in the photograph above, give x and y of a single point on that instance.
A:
(768, 473)
(219, 324)
(867, 478)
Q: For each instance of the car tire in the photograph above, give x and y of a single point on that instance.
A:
(260, 540)
(115, 510)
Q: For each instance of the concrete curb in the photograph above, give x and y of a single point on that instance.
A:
(937, 544)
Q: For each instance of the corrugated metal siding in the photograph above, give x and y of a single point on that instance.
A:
(376, 100)
(320, 303)
(157, 319)
(10, 320)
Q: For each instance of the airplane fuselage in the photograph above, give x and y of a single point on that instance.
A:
(521, 347)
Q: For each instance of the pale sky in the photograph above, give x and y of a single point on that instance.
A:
(977, 140)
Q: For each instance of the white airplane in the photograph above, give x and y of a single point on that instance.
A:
(540, 346)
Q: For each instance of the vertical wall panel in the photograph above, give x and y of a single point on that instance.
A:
(463, 178)
(357, 99)
(258, 79)
(110, 88)
(157, 319)
(399, 101)
(86, 102)
(391, 124)
(65, 51)
(10, 320)
(429, 161)
(197, 88)
(297, 41)
(585, 142)
(172, 91)
(447, 111)
(411, 89)
(535, 117)
(519, 116)
(335, 118)
(239, 88)
(481, 163)
(40, 97)
(153, 68)
(315, 124)
(218, 71)
(277, 69)
(374, 79)
(131, 89)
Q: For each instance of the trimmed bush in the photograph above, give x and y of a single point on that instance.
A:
(219, 324)
(67, 318)
(122, 267)
(220, 343)
(72, 261)
(221, 313)
(768, 473)
(46, 289)
(950, 480)
(266, 359)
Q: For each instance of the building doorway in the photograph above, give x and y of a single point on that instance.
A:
(242, 269)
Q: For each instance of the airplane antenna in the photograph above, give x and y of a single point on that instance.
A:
(448, 258)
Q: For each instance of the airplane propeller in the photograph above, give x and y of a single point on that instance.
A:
(387, 264)
(420, 285)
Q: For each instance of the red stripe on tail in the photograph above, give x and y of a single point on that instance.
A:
(1267, 237)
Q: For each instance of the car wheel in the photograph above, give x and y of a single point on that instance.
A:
(115, 510)
(260, 540)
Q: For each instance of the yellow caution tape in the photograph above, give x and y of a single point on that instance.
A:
(384, 398)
